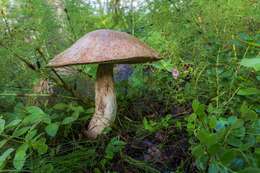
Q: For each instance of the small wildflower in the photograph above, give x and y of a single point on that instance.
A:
(175, 73)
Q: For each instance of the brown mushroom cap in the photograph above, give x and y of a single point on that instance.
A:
(105, 46)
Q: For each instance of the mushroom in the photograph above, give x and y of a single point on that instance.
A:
(106, 48)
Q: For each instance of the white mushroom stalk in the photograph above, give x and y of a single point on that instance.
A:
(105, 101)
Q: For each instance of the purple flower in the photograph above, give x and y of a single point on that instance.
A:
(175, 73)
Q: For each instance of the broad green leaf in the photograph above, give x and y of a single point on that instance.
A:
(251, 62)
(13, 123)
(2, 125)
(69, 120)
(257, 151)
(214, 149)
(4, 156)
(198, 151)
(40, 146)
(149, 125)
(213, 168)
(198, 108)
(250, 170)
(227, 156)
(195, 105)
(34, 110)
(238, 163)
(3, 142)
(206, 138)
(29, 136)
(234, 141)
(32, 119)
(202, 162)
(60, 106)
(19, 132)
(212, 122)
(254, 129)
(249, 141)
(20, 156)
(238, 132)
(36, 115)
(78, 109)
(248, 91)
(238, 124)
(114, 146)
(247, 114)
(90, 111)
(52, 129)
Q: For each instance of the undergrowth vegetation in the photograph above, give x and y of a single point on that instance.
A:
(196, 110)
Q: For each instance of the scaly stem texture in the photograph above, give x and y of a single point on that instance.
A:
(105, 101)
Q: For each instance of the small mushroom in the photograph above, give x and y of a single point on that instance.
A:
(106, 48)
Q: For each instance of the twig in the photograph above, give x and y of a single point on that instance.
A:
(37, 95)
(28, 63)
(64, 84)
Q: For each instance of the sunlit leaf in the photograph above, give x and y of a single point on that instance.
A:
(4, 156)
(52, 129)
(2, 125)
(20, 156)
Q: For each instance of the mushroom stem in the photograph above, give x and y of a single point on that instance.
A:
(105, 101)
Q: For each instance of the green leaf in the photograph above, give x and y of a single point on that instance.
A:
(32, 119)
(115, 145)
(247, 114)
(52, 129)
(69, 120)
(19, 132)
(77, 109)
(250, 170)
(249, 141)
(4, 156)
(195, 105)
(212, 122)
(3, 142)
(149, 125)
(2, 125)
(60, 106)
(251, 62)
(234, 141)
(90, 111)
(239, 123)
(214, 149)
(213, 168)
(13, 123)
(206, 138)
(36, 115)
(239, 132)
(198, 108)
(198, 151)
(20, 156)
(248, 91)
(40, 146)
(34, 110)
(227, 156)
(255, 128)
(29, 136)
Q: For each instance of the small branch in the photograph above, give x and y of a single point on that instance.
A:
(28, 63)
(60, 80)
(249, 43)
(37, 95)
(63, 83)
